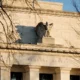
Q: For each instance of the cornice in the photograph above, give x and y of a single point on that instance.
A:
(42, 11)
(39, 48)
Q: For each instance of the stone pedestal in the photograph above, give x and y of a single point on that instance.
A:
(62, 73)
(47, 41)
(5, 73)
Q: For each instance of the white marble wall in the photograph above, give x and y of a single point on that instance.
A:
(65, 31)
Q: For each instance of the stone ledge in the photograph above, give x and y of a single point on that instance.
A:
(42, 11)
(30, 47)
(37, 4)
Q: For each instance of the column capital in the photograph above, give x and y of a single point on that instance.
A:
(34, 67)
(3, 64)
(62, 69)
(62, 73)
(5, 67)
(5, 72)
(27, 68)
(32, 72)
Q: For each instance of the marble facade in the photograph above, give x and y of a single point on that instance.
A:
(58, 55)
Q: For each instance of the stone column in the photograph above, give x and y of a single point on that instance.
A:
(54, 76)
(62, 73)
(5, 73)
(32, 73)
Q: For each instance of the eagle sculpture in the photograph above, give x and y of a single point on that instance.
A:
(42, 30)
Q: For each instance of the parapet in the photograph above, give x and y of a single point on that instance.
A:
(36, 5)
(51, 5)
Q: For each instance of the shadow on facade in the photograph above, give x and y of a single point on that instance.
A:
(27, 34)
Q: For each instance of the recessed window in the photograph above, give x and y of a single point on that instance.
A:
(46, 76)
(16, 75)
(75, 77)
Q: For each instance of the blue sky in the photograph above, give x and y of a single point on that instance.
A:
(68, 4)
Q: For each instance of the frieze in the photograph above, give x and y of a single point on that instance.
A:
(53, 61)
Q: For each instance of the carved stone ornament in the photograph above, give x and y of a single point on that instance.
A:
(43, 30)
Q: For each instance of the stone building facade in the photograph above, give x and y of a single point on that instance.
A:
(26, 60)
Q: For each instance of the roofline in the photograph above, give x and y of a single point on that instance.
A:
(42, 11)
(55, 3)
